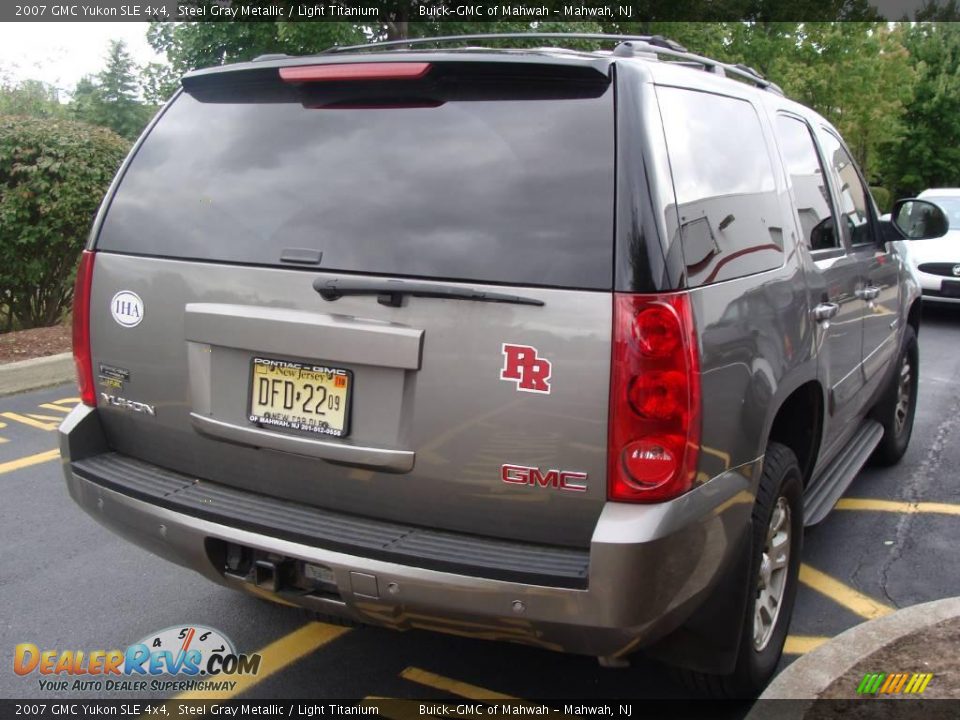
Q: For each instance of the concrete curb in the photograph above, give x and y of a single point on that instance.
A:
(36, 373)
(809, 676)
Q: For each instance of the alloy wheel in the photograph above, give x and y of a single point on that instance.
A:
(902, 410)
(772, 578)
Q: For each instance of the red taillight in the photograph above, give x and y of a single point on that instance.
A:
(355, 71)
(654, 434)
(81, 330)
(653, 331)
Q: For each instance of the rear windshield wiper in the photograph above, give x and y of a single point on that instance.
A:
(391, 292)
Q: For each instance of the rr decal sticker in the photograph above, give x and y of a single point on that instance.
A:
(529, 371)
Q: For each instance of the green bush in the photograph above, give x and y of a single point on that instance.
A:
(882, 196)
(53, 175)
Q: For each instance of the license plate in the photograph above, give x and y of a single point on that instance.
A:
(950, 288)
(300, 397)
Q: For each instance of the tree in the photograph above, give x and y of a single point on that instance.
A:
(85, 103)
(53, 174)
(158, 83)
(858, 76)
(112, 98)
(30, 98)
(927, 152)
(193, 45)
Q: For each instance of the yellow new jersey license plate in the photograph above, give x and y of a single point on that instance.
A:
(301, 397)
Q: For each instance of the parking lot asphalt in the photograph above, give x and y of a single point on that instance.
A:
(67, 583)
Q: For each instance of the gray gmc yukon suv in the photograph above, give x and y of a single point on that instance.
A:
(556, 347)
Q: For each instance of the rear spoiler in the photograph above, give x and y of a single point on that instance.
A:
(399, 79)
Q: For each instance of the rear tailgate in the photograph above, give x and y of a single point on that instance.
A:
(246, 193)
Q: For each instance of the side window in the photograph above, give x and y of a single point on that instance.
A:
(854, 215)
(729, 212)
(808, 180)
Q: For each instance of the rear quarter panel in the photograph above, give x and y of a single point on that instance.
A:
(757, 341)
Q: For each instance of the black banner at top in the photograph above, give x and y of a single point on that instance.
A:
(609, 13)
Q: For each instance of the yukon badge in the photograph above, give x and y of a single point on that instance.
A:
(522, 365)
(556, 479)
(140, 407)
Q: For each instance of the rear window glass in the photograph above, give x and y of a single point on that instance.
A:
(729, 211)
(512, 191)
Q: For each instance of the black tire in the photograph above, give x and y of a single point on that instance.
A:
(781, 479)
(897, 421)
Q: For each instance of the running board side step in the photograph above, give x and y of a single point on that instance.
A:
(838, 475)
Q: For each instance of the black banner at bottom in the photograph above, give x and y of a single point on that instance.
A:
(866, 708)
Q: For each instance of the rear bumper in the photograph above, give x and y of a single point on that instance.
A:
(648, 567)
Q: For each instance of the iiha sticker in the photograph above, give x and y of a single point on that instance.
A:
(127, 308)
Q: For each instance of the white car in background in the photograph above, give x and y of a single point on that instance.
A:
(938, 261)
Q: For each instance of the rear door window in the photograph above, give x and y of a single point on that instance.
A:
(808, 182)
(854, 213)
(515, 191)
(727, 204)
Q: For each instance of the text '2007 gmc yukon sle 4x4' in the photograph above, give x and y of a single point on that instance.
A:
(561, 348)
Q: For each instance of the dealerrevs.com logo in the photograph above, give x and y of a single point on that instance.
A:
(894, 683)
(201, 657)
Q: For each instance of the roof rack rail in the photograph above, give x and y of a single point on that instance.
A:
(628, 45)
(748, 69)
(739, 71)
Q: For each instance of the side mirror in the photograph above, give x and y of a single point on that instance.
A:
(919, 219)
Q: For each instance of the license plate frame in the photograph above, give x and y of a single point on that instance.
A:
(950, 288)
(294, 420)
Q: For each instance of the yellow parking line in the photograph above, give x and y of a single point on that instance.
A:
(51, 406)
(67, 401)
(449, 685)
(857, 602)
(275, 657)
(802, 644)
(23, 462)
(898, 507)
(40, 422)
